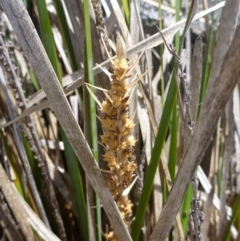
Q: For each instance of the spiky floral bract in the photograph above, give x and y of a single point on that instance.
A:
(117, 139)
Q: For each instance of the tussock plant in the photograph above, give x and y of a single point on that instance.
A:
(187, 109)
(117, 139)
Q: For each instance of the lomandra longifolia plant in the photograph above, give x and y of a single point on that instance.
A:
(117, 139)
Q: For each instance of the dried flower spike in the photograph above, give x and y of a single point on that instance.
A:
(117, 139)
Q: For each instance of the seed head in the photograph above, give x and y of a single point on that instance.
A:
(117, 138)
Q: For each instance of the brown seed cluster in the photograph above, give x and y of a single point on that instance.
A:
(117, 139)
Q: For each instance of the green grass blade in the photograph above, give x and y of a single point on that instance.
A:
(126, 9)
(154, 162)
(90, 106)
(34, 80)
(173, 145)
(47, 36)
(65, 34)
(177, 18)
(174, 124)
(77, 186)
(186, 208)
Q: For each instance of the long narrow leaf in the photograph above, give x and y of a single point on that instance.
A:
(90, 128)
(77, 186)
(156, 152)
(47, 36)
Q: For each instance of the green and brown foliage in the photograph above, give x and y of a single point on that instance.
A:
(106, 135)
